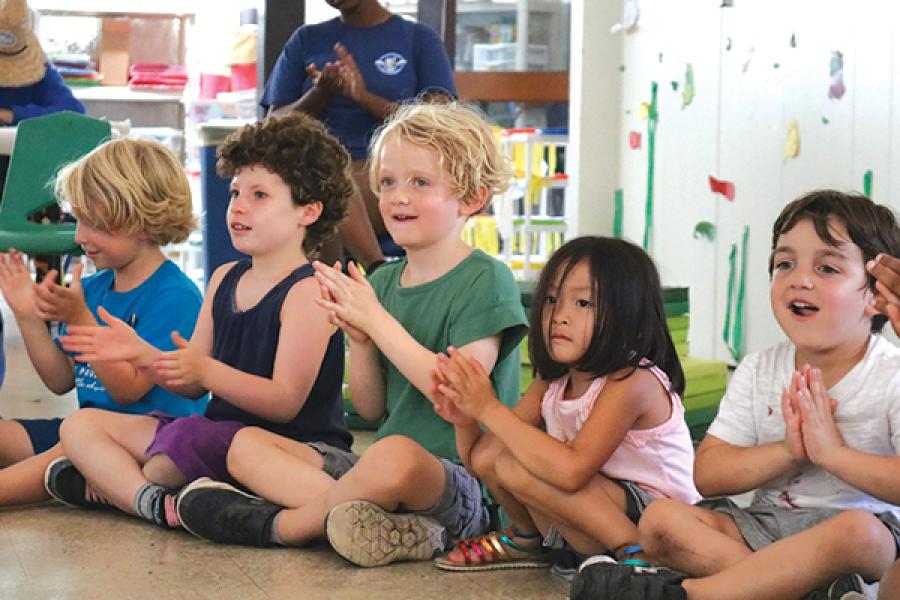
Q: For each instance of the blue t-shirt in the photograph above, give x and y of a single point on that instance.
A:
(398, 60)
(49, 95)
(167, 301)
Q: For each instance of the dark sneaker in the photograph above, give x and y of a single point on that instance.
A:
(219, 512)
(65, 483)
(602, 578)
(368, 536)
(566, 564)
(845, 587)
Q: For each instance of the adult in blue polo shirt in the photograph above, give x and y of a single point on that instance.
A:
(350, 72)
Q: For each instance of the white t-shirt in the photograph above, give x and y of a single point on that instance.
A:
(867, 415)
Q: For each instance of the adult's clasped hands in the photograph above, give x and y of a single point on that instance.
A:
(341, 77)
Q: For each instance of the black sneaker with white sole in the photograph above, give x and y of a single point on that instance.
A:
(603, 578)
(65, 483)
(220, 512)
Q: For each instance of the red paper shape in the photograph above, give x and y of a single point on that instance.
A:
(720, 186)
(634, 139)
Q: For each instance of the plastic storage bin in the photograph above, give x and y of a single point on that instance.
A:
(502, 57)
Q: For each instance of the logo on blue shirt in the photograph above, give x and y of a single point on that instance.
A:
(390, 63)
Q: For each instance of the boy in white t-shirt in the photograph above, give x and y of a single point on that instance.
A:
(812, 424)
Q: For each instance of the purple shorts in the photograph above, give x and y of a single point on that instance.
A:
(197, 445)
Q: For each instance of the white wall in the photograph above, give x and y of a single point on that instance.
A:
(736, 128)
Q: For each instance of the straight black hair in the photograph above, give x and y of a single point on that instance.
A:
(630, 320)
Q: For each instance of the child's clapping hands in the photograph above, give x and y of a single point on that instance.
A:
(463, 388)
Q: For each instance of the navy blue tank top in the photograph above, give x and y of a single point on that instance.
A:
(247, 340)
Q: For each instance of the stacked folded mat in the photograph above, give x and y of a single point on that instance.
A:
(705, 380)
(76, 69)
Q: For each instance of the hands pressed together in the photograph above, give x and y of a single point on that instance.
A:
(341, 77)
(350, 300)
(462, 389)
(811, 434)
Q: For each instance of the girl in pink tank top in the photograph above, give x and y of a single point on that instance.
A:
(598, 435)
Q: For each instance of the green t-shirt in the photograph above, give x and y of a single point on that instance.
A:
(476, 299)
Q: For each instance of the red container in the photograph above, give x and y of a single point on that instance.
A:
(211, 84)
(243, 77)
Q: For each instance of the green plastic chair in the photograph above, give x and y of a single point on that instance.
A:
(43, 145)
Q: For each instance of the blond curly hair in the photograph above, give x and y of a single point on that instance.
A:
(132, 187)
(465, 144)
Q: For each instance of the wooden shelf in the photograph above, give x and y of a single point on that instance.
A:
(537, 87)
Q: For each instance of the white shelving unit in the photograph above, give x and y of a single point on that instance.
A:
(549, 16)
(531, 235)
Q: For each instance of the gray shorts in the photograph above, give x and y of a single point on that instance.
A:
(637, 499)
(461, 508)
(337, 461)
(762, 525)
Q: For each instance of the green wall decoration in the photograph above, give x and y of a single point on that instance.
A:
(617, 217)
(652, 118)
(733, 333)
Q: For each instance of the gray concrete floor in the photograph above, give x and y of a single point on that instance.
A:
(50, 551)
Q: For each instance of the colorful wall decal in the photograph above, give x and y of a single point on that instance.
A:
(619, 213)
(792, 141)
(652, 117)
(705, 229)
(837, 89)
(720, 186)
(687, 94)
(746, 64)
(634, 139)
(733, 333)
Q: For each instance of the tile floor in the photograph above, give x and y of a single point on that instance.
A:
(49, 551)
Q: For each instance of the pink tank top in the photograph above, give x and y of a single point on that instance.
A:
(659, 459)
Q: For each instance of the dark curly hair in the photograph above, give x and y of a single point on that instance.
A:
(311, 162)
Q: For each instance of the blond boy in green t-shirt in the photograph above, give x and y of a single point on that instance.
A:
(433, 166)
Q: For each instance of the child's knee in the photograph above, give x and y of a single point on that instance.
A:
(655, 525)
(483, 460)
(395, 462)
(243, 448)
(862, 534)
(510, 472)
(79, 422)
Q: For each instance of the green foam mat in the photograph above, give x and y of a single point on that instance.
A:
(674, 309)
(679, 323)
(698, 421)
(706, 400)
(679, 336)
(675, 294)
